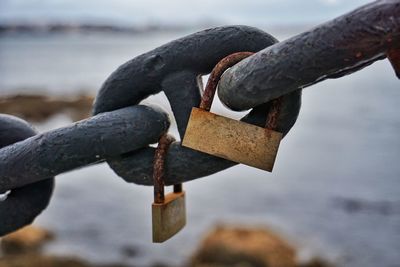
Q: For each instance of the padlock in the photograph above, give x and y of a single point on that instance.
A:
(168, 212)
(230, 139)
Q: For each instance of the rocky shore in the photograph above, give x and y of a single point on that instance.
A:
(39, 108)
(63, 28)
(223, 246)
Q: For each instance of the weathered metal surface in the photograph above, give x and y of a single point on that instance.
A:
(331, 50)
(169, 217)
(169, 212)
(118, 134)
(233, 140)
(175, 69)
(274, 113)
(159, 165)
(215, 75)
(229, 139)
(185, 164)
(89, 141)
(21, 205)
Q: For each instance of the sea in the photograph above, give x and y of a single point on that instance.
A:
(334, 192)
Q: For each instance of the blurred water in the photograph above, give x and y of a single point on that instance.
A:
(335, 189)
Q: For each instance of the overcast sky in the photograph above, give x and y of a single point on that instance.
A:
(257, 12)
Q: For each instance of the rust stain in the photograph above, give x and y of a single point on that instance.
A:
(274, 113)
(159, 166)
(394, 58)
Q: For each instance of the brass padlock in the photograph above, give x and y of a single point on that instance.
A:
(168, 212)
(230, 139)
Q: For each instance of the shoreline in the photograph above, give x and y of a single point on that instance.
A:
(222, 246)
(39, 107)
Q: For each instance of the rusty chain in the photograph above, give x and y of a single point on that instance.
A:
(121, 130)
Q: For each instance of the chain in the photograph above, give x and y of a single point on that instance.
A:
(331, 50)
(86, 142)
(121, 130)
(175, 68)
(19, 207)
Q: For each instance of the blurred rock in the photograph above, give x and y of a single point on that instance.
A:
(35, 260)
(354, 205)
(316, 263)
(129, 251)
(243, 247)
(159, 264)
(39, 108)
(27, 239)
(224, 246)
(23, 249)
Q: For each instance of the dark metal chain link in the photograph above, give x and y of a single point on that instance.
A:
(20, 207)
(331, 50)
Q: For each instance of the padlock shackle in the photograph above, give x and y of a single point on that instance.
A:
(215, 75)
(159, 168)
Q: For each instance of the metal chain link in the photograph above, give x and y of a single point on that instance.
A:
(86, 142)
(332, 50)
(20, 206)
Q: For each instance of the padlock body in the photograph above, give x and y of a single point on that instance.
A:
(231, 139)
(168, 217)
